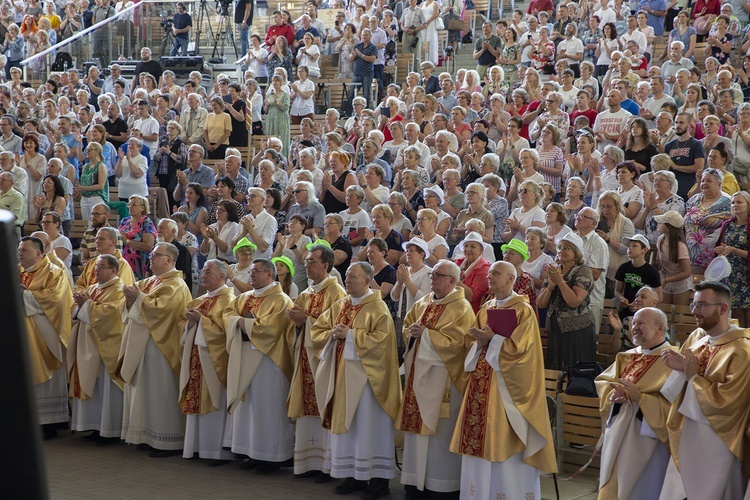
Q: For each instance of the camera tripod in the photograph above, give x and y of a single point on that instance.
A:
(224, 31)
(167, 41)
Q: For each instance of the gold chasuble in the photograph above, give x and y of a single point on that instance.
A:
(486, 426)
(625, 452)
(721, 389)
(97, 341)
(339, 382)
(270, 333)
(203, 371)
(302, 401)
(88, 276)
(51, 325)
(163, 300)
(427, 391)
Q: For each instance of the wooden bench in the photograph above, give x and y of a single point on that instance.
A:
(553, 382)
(578, 423)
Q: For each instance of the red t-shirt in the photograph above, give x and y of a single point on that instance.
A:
(589, 113)
(540, 5)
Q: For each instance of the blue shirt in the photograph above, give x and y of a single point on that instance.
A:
(630, 106)
(182, 21)
(655, 22)
(362, 67)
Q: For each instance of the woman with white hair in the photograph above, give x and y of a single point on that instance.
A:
(659, 201)
(355, 219)
(400, 223)
(529, 214)
(498, 119)
(306, 162)
(392, 103)
(476, 198)
(555, 115)
(617, 227)
(434, 199)
(529, 160)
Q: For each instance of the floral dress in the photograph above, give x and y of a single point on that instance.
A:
(510, 52)
(540, 61)
(675, 203)
(736, 236)
(137, 259)
(703, 227)
(719, 54)
(346, 67)
(277, 121)
(391, 59)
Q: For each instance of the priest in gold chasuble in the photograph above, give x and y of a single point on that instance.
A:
(48, 302)
(106, 243)
(311, 438)
(503, 430)
(635, 451)
(149, 358)
(259, 342)
(435, 335)
(92, 352)
(357, 385)
(203, 371)
(710, 416)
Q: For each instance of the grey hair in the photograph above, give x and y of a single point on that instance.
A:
(171, 224)
(451, 268)
(452, 158)
(494, 160)
(366, 268)
(111, 261)
(266, 265)
(221, 267)
(311, 198)
(358, 191)
(661, 316)
(617, 154)
(112, 232)
(171, 250)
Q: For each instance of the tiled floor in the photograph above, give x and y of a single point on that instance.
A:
(80, 469)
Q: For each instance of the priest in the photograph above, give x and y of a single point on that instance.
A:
(311, 438)
(92, 353)
(48, 302)
(357, 385)
(709, 416)
(503, 431)
(52, 256)
(259, 341)
(149, 358)
(635, 451)
(435, 335)
(105, 243)
(203, 371)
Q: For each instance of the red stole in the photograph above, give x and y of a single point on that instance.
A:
(191, 404)
(309, 401)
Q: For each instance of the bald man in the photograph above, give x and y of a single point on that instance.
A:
(635, 452)
(622, 337)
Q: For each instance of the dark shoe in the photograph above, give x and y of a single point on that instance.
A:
(350, 485)
(217, 463)
(91, 437)
(414, 493)
(104, 441)
(263, 469)
(164, 453)
(249, 464)
(305, 475)
(143, 447)
(378, 488)
(322, 477)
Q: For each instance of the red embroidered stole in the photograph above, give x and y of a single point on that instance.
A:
(638, 366)
(411, 418)
(704, 354)
(26, 278)
(252, 305)
(151, 284)
(309, 401)
(191, 404)
(346, 317)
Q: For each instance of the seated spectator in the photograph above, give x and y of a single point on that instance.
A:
(51, 223)
(400, 223)
(529, 214)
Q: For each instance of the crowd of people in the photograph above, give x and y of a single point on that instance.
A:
(571, 165)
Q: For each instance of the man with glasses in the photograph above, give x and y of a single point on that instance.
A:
(335, 32)
(503, 428)
(310, 437)
(635, 451)
(708, 391)
(357, 385)
(149, 358)
(48, 301)
(259, 341)
(105, 244)
(435, 328)
(596, 257)
(99, 219)
(96, 395)
(8, 140)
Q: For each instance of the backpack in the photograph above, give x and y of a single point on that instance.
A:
(63, 62)
(581, 379)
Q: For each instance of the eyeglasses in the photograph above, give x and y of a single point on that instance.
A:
(703, 305)
(565, 247)
(221, 210)
(44, 222)
(311, 261)
(155, 254)
(523, 191)
(97, 214)
(297, 191)
(550, 100)
(581, 216)
(434, 276)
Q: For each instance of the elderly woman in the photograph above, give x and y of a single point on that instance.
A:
(613, 227)
(336, 182)
(471, 155)
(498, 207)
(556, 229)
(554, 114)
(630, 194)
(131, 169)
(718, 158)
(307, 133)
(217, 129)
(394, 115)
(225, 192)
(93, 187)
(342, 249)
(733, 244)
(662, 199)
(218, 237)
(412, 156)
(51, 224)
(294, 247)
(607, 179)
(460, 129)
(474, 269)
(382, 217)
(266, 169)
(528, 171)
(411, 191)
(437, 247)
(476, 198)
(529, 214)
(401, 224)
(705, 214)
(536, 240)
(565, 294)
(277, 107)
(138, 236)
(412, 279)
(170, 157)
(575, 192)
(551, 157)
(384, 274)
(434, 199)
(356, 220)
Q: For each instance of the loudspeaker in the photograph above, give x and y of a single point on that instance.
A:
(182, 65)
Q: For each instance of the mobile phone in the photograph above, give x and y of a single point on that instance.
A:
(603, 226)
(385, 111)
